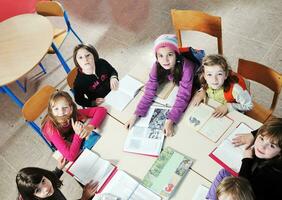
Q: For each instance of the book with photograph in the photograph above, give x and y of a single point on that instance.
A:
(123, 187)
(127, 90)
(89, 166)
(229, 156)
(146, 136)
(167, 171)
(200, 118)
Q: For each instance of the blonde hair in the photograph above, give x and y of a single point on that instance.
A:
(237, 187)
(217, 60)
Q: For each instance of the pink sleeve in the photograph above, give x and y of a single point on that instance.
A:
(97, 114)
(69, 151)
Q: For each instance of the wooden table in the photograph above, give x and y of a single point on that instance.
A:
(24, 40)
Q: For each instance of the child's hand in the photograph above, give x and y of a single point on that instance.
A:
(199, 97)
(168, 128)
(77, 126)
(114, 83)
(131, 122)
(220, 111)
(89, 190)
(99, 101)
(61, 163)
(242, 139)
(249, 152)
(88, 129)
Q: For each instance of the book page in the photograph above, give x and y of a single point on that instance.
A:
(166, 172)
(214, 128)
(118, 99)
(89, 166)
(155, 115)
(129, 86)
(199, 115)
(144, 141)
(142, 193)
(121, 186)
(228, 153)
(201, 193)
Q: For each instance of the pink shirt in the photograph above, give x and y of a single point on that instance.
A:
(71, 150)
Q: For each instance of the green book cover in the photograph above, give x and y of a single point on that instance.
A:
(166, 172)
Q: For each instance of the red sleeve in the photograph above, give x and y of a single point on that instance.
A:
(97, 115)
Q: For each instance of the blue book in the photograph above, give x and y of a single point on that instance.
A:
(91, 141)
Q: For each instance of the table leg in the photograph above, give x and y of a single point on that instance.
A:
(60, 57)
(12, 96)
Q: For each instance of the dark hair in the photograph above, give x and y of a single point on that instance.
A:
(176, 70)
(237, 187)
(49, 116)
(272, 128)
(89, 48)
(28, 179)
(212, 60)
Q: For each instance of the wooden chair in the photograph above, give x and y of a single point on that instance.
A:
(54, 8)
(197, 21)
(71, 77)
(35, 106)
(265, 76)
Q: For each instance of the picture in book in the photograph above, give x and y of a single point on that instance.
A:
(201, 119)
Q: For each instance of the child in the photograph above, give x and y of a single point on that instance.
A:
(95, 79)
(35, 183)
(262, 162)
(234, 188)
(63, 125)
(169, 66)
(221, 84)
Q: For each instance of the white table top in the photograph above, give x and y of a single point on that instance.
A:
(110, 147)
(24, 40)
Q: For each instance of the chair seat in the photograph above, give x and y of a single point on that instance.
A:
(259, 113)
(58, 31)
(58, 42)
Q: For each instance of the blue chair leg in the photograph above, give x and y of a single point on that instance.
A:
(42, 68)
(60, 57)
(21, 86)
(12, 95)
(37, 129)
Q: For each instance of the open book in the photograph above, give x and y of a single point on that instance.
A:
(89, 166)
(146, 136)
(123, 187)
(166, 172)
(200, 118)
(127, 90)
(229, 156)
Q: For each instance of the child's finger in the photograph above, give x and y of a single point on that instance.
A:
(72, 122)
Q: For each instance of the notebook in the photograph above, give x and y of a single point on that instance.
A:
(200, 118)
(167, 171)
(146, 136)
(127, 90)
(122, 186)
(229, 156)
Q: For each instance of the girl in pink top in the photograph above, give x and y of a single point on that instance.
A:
(64, 124)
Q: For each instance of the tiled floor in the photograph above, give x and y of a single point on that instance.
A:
(123, 32)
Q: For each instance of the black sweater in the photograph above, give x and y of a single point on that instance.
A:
(93, 86)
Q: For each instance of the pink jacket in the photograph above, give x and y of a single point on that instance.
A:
(71, 150)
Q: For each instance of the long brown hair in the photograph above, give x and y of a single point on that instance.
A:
(176, 71)
(217, 60)
(50, 117)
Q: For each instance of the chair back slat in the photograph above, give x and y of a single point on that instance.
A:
(49, 8)
(71, 77)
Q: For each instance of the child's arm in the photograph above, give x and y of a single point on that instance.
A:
(184, 92)
(69, 151)
(243, 99)
(80, 98)
(149, 94)
(97, 115)
(199, 96)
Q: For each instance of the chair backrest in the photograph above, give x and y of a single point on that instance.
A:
(49, 8)
(37, 103)
(71, 77)
(197, 21)
(263, 75)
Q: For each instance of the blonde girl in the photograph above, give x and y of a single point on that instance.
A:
(64, 124)
(221, 84)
